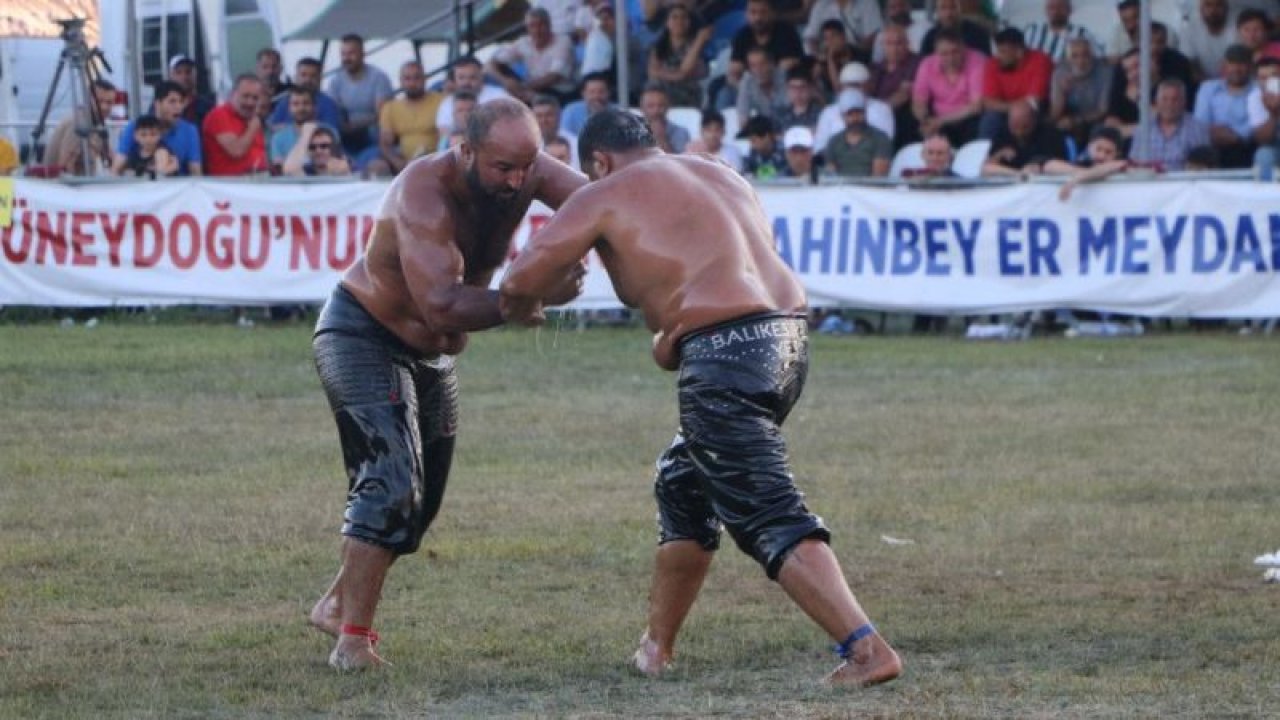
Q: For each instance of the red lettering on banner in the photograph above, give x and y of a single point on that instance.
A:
(305, 242)
(81, 239)
(213, 242)
(181, 222)
(115, 236)
(143, 258)
(344, 261)
(254, 262)
(47, 237)
(12, 253)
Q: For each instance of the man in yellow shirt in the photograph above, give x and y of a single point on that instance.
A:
(407, 124)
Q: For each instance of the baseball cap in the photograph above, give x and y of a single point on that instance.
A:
(854, 73)
(177, 60)
(851, 100)
(755, 127)
(798, 136)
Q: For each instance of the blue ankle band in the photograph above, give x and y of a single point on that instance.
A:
(845, 649)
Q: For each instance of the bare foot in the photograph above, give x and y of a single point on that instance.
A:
(649, 658)
(325, 616)
(354, 653)
(873, 662)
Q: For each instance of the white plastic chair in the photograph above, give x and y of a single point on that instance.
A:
(969, 158)
(731, 123)
(689, 118)
(910, 156)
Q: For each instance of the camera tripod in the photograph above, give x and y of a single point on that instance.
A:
(82, 67)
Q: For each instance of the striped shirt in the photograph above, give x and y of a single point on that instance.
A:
(1170, 151)
(1039, 36)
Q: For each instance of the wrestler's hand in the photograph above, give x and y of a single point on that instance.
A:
(570, 286)
(521, 311)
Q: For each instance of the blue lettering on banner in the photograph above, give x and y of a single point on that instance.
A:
(870, 249)
(1135, 244)
(1170, 238)
(1098, 243)
(810, 244)
(906, 250)
(935, 250)
(1009, 245)
(1248, 248)
(1201, 261)
(1043, 239)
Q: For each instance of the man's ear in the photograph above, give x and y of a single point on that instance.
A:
(602, 162)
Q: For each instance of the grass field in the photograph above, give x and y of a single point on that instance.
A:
(1084, 517)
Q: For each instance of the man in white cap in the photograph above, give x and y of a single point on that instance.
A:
(861, 150)
(182, 70)
(854, 76)
(797, 142)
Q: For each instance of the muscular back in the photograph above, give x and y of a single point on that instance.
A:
(686, 240)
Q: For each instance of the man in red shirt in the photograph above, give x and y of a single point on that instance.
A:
(232, 132)
(1015, 73)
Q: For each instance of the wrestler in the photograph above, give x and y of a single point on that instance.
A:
(385, 341)
(685, 239)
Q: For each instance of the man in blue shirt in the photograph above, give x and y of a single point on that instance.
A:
(180, 137)
(302, 110)
(307, 75)
(1223, 105)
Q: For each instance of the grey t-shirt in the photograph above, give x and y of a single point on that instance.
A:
(359, 97)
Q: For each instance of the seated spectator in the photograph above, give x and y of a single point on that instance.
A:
(671, 138)
(463, 104)
(546, 111)
(599, 55)
(832, 121)
(1024, 145)
(891, 80)
(148, 158)
(947, 17)
(1122, 101)
(559, 148)
(797, 143)
(181, 138)
(802, 106)
(547, 59)
(946, 96)
(407, 124)
(232, 133)
(1264, 118)
(937, 154)
(302, 110)
(1222, 104)
(1173, 131)
(183, 71)
(766, 160)
(316, 153)
(1209, 33)
(861, 150)
(763, 86)
(676, 59)
(1052, 36)
(595, 97)
(268, 68)
(1253, 30)
(8, 157)
(711, 141)
(570, 18)
(1171, 62)
(834, 54)
(66, 148)
(1079, 91)
(1124, 34)
(898, 13)
(360, 90)
(1015, 74)
(762, 30)
(982, 13)
(468, 77)
(861, 20)
(306, 74)
(1102, 158)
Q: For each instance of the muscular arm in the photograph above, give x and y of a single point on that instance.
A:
(551, 256)
(557, 182)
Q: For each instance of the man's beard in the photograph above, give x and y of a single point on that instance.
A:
(499, 201)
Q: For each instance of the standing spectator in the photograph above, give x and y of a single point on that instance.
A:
(797, 143)
(946, 96)
(1122, 104)
(316, 152)
(802, 106)
(66, 151)
(468, 77)
(547, 60)
(834, 54)
(180, 137)
(1264, 118)
(302, 111)
(947, 17)
(671, 137)
(763, 30)
(891, 80)
(1253, 30)
(546, 111)
(861, 150)
(1175, 131)
(360, 90)
(570, 18)
(1208, 35)
(1171, 62)
(832, 121)
(766, 159)
(183, 71)
(1052, 36)
(268, 69)
(232, 133)
(861, 20)
(407, 125)
(307, 74)
(763, 87)
(1124, 34)
(1023, 145)
(1222, 105)
(595, 97)
(711, 141)
(1079, 91)
(1016, 73)
(675, 60)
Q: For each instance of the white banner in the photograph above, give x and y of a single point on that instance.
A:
(1208, 248)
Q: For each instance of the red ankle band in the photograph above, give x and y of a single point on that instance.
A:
(361, 631)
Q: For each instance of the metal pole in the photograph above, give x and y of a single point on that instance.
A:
(1141, 150)
(622, 54)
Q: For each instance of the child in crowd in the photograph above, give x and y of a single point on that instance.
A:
(148, 157)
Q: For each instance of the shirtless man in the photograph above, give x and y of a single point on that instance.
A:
(385, 340)
(685, 239)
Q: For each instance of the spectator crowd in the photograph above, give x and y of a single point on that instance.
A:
(775, 88)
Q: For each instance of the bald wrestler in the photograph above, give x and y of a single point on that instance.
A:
(685, 239)
(385, 341)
